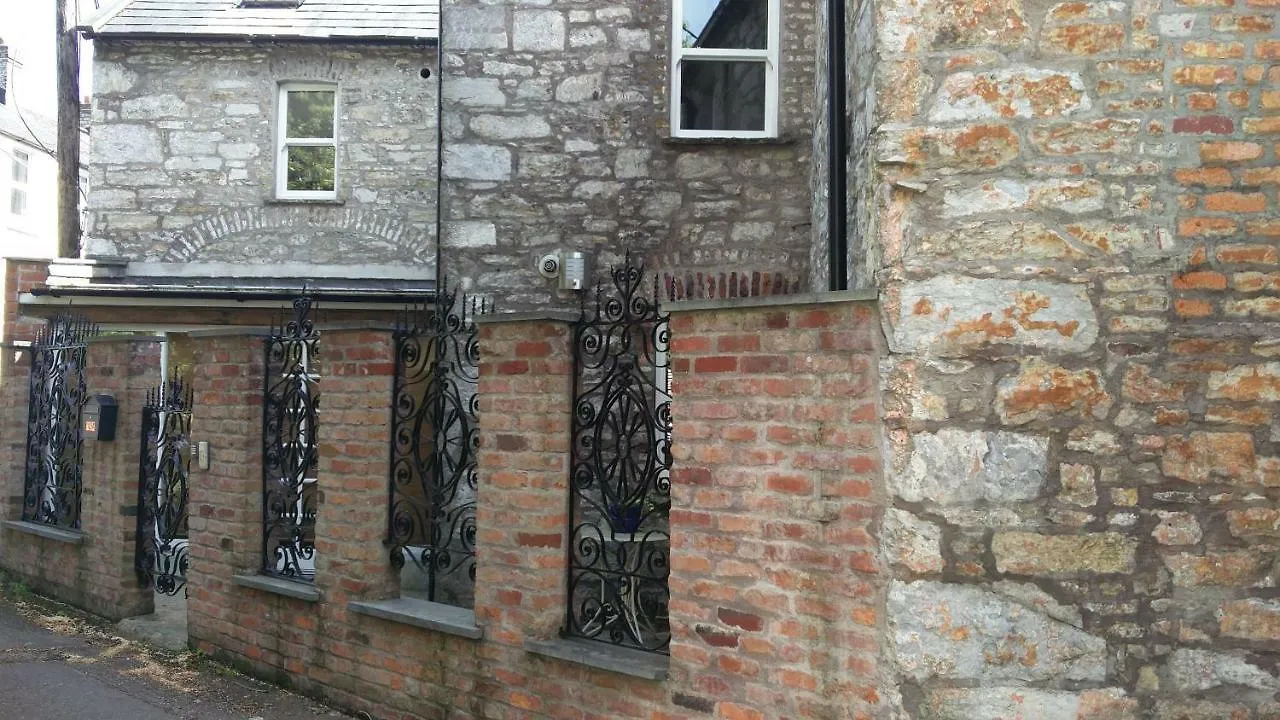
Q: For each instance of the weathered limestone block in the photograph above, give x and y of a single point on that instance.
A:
(470, 234)
(1079, 484)
(963, 149)
(477, 162)
(122, 143)
(1026, 553)
(111, 78)
(1200, 710)
(1253, 619)
(911, 543)
(1203, 456)
(1108, 236)
(1044, 391)
(475, 92)
(952, 467)
(962, 632)
(1015, 93)
(950, 313)
(994, 240)
(1006, 194)
(154, 107)
(1194, 670)
(1008, 703)
(580, 88)
(1254, 522)
(508, 127)
(1112, 135)
(966, 23)
(1030, 595)
(476, 28)
(538, 31)
(1177, 528)
(1247, 383)
(1226, 568)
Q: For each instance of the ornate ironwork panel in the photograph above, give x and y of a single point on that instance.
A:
(290, 457)
(432, 508)
(51, 485)
(620, 468)
(164, 467)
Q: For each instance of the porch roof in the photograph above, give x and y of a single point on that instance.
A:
(353, 20)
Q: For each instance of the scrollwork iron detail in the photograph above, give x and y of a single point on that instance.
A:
(290, 456)
(620, 467)
(52, 474)
(163, 473)
(434, 436)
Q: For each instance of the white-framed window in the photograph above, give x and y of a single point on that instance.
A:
(307, 142)
(724, 68)
(18, 193)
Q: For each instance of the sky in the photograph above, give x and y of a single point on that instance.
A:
(27, 28)
(696, 14)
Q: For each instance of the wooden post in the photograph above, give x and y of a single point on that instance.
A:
(68, 55)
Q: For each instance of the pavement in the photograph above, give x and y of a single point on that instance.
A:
(59, 664)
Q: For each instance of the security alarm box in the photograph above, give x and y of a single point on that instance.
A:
(98, 418)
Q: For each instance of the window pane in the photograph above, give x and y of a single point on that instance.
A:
(311, 168)
(18, 202)
(19, 166)
(719, 95)
(736, 24)
(310, 114)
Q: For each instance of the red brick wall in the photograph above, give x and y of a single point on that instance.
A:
(773, 580)
(97, 574)
(225, 502)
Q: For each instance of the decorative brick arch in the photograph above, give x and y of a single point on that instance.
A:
(214, 229)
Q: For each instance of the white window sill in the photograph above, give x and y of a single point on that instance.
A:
(726, 140)
(304, 201)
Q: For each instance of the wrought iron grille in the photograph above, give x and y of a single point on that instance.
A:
(51, 483)
(290, 457)
(432, 507)
(620, 467)
(164, 467)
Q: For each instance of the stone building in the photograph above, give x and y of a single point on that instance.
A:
(1076, 211)
(1026, 467)
(264, 144)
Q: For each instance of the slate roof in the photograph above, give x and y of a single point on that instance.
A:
(389, 20)
(45, 129)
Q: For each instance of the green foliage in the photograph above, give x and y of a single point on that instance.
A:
(311, 168)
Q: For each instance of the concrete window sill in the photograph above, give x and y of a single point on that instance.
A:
(287, 588)
(422, 613)
(71, 537)
(649, 666)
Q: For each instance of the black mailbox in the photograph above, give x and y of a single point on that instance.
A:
(98, 420)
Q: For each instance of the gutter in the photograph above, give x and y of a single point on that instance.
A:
(837, 150)
(138, 295)
(88, 32)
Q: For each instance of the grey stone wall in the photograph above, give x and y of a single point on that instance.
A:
(557, 137)
(183, 168)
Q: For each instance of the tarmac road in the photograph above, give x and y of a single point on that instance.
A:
(58, 665)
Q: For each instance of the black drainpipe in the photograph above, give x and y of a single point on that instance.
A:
(837, 151)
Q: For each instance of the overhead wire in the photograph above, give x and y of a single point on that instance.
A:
(17, 108)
